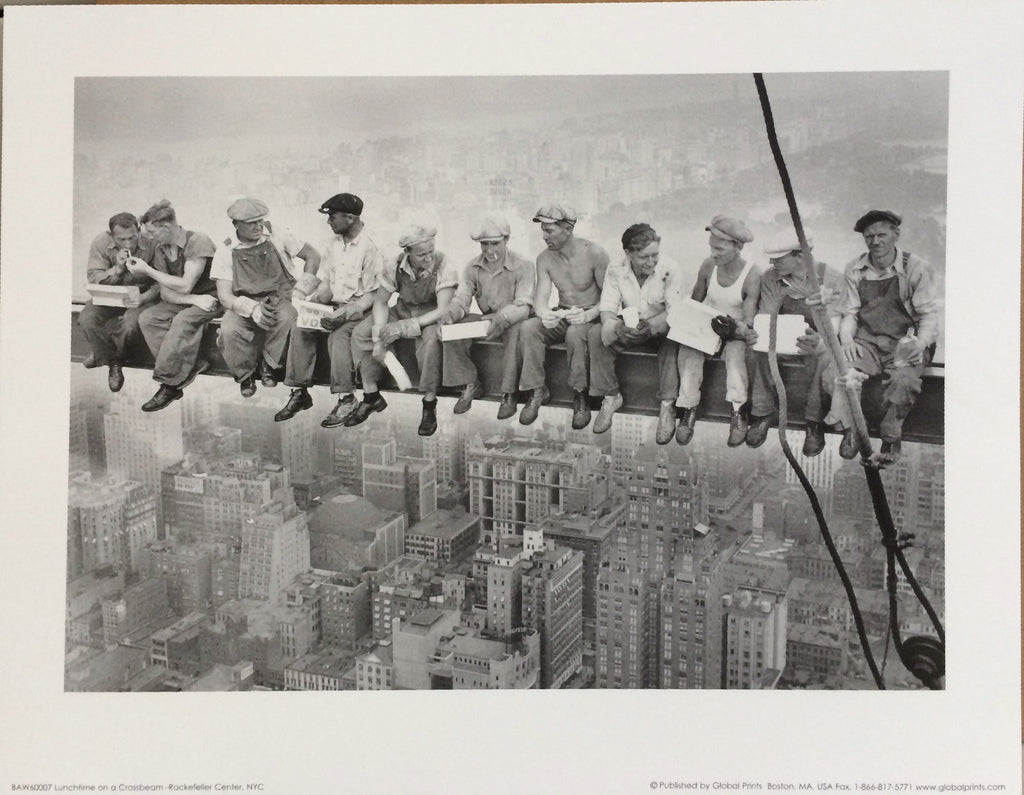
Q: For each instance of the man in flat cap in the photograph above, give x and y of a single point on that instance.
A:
(785, 289)
(889, 327)
(254, 284)
(503, 284)
(174, 327)
(348, 278)
(633, 307)
(425, 282)
(575, 267)
(110, 329)
(730, 284)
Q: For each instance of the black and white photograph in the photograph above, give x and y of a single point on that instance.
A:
(428, 369)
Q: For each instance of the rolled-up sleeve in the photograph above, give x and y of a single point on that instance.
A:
(369, 275)
(447, 275)
(388, 278)
(924, 301)
(467, 288)
(100, 263)
(525, 285)
(849, 304)
(611, 292)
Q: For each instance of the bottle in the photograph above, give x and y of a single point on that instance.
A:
(904, 348)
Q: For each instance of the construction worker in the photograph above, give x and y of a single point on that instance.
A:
(111, 329)
(174, 327)
(575, 267)
(254, 284)
(503, 284)
(425, 282)
(889, 327)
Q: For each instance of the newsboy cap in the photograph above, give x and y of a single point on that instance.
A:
(781, 243)
(343, 203)
(247, 210)
(490, 228)
(553, 213)
(729, 229)
(415, 235)
(874, 216)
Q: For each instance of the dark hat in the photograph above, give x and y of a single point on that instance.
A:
(247, 210)
(874, 216)
(553, 213)
(635, 231)
(729, 229)
(343, 203)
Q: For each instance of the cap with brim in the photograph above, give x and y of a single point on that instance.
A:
(729, 229)
(247, 210)
(490, 229)
(553, 213)
(415, 235)
(343, 203)
(782, 243)
(873, 217)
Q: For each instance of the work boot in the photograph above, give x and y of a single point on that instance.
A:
(362, 412)
(737, 428)
(507, 407)
(890, 453)
(849, 447)
(115, 378)
(666, 422)
(538, 397)
(469, 391)
(428, 424)
(580, 411)
(164, 397)
(341, 411)
(247, 386)
(606, 414)
(757, 432)
(814, 439)
(687, 419)
(298, 401)
(267, 376)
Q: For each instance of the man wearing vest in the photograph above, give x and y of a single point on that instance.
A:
(731, 285)
(254, 284)
(110, 329)
(425, 282)
(785, 289)
(174, 327)
(889, 327)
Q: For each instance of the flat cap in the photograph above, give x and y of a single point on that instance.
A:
(729, 229)
(553, 213)
(781, 243)
(247, 210)
(415, 235)
(343, 203)
(874, 216)
(490, 228)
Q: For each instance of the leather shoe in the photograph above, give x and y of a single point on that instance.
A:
(538, 398)
(666, 422)
(299, 400)
(247, 386)
(580, 411)
(757, 432)
(684, 431)
(164, 397)
(507, 407)
(341, 411)
(465, 400)
(115, 378)
(737, 428)
(890, 452)
(362, 412)
(606, 413)
(848, 448)
(428, 423)
(267, 377)
(814, 439)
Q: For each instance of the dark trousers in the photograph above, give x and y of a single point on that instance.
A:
(428, 352)
(603, 379)
(109, 330)
(302, 357)
(763, 396)
(534, 340)
(242, 342)
(174, 333)
(459, 370)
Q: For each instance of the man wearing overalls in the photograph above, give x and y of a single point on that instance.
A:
(425, 282)
(889, 327)
(254, 284)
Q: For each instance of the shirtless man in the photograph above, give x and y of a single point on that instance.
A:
(575, 267)
(731, 285)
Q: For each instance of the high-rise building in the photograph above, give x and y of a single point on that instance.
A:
(289, 444)
(212, 441)
(83, 598)
(78, 440)
(141, 603)
(275, 550)
(624, 630)
(109, 523)
(552, 604)
(515, 483)
(187, 570)
(397, 483)
(349, 533)
(445, 449)
(630, 432)
(754, 640)
(446, 535)
(820, 470)
(224, 580)
(504, 590)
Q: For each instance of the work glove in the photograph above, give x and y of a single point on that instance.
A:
(724, 326)
(810, 342)
(380, 350)
(307, 284)
(400, 329)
